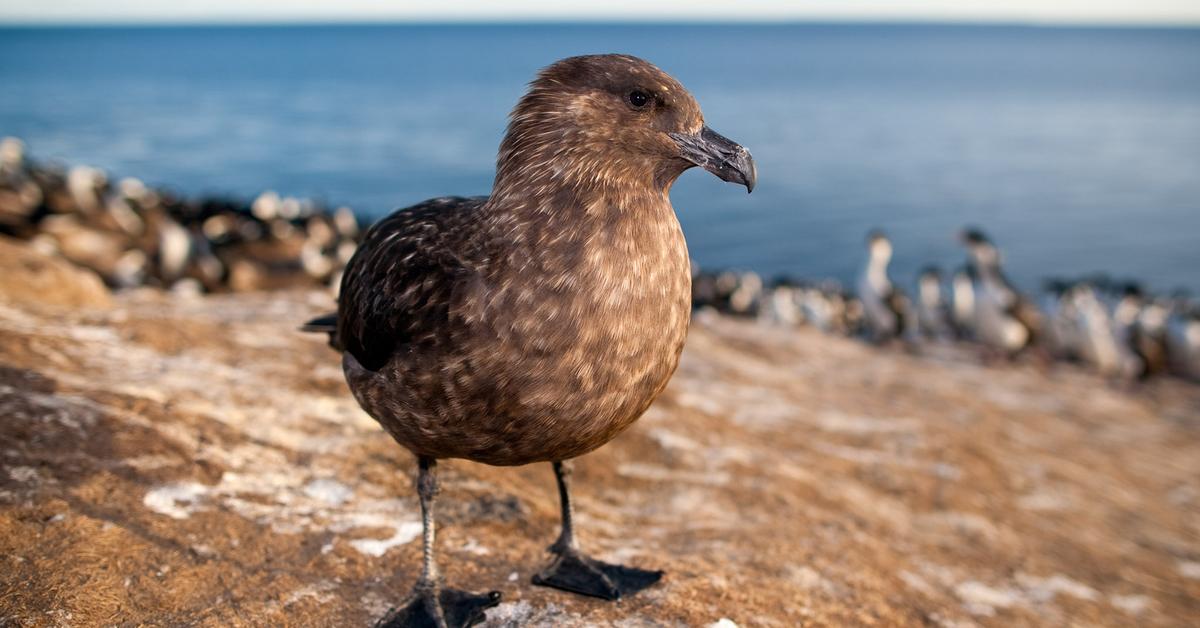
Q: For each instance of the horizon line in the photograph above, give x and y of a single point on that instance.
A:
(250, 21)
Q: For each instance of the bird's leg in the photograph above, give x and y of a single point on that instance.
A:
(431, 605)
(571, 570)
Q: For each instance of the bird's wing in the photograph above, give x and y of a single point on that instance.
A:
(1018, 306)
(897, 302)
(404, 279)
(1027, 313)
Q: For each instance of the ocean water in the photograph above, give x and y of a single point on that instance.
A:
(1077, 149)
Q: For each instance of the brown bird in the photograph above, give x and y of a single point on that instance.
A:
(537, 323)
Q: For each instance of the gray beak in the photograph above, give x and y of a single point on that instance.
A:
(719, 155)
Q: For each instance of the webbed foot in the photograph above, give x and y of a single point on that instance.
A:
(574, 572)
(447, 608)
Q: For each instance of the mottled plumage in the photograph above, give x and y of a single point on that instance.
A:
(536, 323)
(515, 336)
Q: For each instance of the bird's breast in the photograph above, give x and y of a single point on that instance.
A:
(592, 329)
(636, 285)
(615, 296)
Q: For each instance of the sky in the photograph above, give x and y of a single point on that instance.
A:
(1170, 12)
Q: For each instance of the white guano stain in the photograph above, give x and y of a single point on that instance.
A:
(404, 533)
(177, 501)
(289, 504)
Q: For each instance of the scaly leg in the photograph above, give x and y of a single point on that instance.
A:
(571, 570)
(430, 605)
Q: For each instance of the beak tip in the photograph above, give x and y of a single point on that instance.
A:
(719, 155)
(751, 173)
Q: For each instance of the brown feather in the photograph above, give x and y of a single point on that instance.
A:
(537, 323)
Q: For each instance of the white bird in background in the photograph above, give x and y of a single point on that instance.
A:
(962, 305)
(885, 308)
(824, 307)
(1060, 334)
(746, 297)
(1103, 343)
(932, 309)
(781, 306)
(1150, 334)
(1003, 320)
(1183, 341)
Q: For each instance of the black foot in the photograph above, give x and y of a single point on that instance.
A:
(574, 572)
(459, 609)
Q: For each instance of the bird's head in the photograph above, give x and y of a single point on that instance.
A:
(878, 245)
(981, 249)
(601, 119)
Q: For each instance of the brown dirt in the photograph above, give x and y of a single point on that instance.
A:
(195, 461)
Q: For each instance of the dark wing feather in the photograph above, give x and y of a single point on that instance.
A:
(399, 286)
(1022, 309)
(897, 302)
(321, 324)
(326, 324)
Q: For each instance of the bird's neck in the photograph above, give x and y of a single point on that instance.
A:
(569, 199)
(591, 233)
(992, 275)
(578, 196)
(877, 269)
(583, 181)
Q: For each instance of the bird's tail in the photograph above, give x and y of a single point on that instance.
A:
(326, 324)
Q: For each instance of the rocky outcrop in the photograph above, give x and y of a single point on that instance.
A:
(193, 460)
(129, 234)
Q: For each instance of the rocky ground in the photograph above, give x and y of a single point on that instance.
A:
(193, 460)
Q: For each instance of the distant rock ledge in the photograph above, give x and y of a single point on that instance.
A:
(177, 459)
(133, 235)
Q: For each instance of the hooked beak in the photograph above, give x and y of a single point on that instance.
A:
(719, 155)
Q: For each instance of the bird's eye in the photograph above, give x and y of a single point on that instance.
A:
(638, 98)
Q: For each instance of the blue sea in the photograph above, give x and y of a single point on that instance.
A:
(1077, 149)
